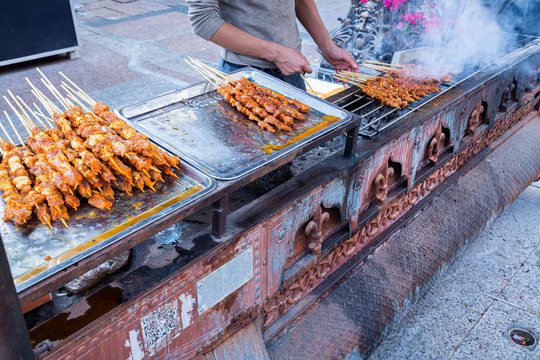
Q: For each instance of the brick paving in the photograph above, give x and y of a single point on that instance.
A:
(132, 50)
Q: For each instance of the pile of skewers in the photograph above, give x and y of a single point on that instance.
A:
(399, 86)
(86, 152)
(264, 106)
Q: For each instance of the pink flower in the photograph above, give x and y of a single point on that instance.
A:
(399, 26)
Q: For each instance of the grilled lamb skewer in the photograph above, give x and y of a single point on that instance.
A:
(268, 97)
(249, 103)
(77, 143)
(140, 142)
(45, 179)
(16, 210)
(32, 196)
(96, 140)
(55, 156)
(251, 116)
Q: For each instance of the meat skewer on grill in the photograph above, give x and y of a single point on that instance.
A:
(43, 173)
(278, 100)
(397, 88)
(63, 143)
(16, 209)
(140, 142)
(89, 130)
(80, 154)
(271, 105)
(48, 181)
(260, 104)
(87, 187)
(140, 176)
(96, 140)
(54, 154)
(77, 143)
(128, 143)
(249, 104)
(32, 197)
(251, 116)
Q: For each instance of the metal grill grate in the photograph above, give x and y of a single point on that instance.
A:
(376, 117)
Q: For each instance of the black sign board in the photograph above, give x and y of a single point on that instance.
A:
(31, 29)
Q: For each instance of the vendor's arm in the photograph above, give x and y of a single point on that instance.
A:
(208, 25)
(307, 13)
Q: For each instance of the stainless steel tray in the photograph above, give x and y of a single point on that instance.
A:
(198, 125)
(91, 229)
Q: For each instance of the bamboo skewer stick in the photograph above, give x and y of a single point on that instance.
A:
(77, 95)
(14, 129)
(73, 97)
(209, 79)
(351, 77)
(310, 88)
(350, 73)
(26, 124)
(209, 71)
(57, 96)
(384, 64)
(221, 74)
(27, 127)
(9, 119)
(360, 85)
(32, 112)
(358, 78)
(17, 103)
(40, 113)
(377, 67)
(5, 132)
(47, 103)
(91, 101)
(45, 80)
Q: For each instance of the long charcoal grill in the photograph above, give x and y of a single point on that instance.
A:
(369, 119)
(375, 118)
(372, 121)
(46, 281)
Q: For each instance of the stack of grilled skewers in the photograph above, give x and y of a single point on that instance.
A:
(264, 106)
(399, 86)
(86, 152)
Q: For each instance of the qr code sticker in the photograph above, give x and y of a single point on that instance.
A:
(159, 323)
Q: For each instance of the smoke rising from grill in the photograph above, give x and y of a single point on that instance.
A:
(474, 38)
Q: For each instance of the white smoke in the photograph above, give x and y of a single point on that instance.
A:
(471, 38)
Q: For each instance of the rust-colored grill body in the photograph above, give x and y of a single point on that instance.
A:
(290, 247)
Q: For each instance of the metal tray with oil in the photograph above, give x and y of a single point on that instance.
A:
(36, 251)
(198, 125)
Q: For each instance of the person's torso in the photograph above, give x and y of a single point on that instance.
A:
(272, 20)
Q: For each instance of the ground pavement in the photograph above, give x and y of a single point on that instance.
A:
(135, 49)
(491, 288)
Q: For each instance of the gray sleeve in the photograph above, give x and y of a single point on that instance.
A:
(204, 17)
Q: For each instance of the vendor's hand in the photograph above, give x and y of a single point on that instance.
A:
(339, 58)
(290, 61)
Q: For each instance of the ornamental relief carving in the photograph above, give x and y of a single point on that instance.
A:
(314, 230)
(438, 143)
(388, 175)
(509, 94)
(477, 117)
(293, 292)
